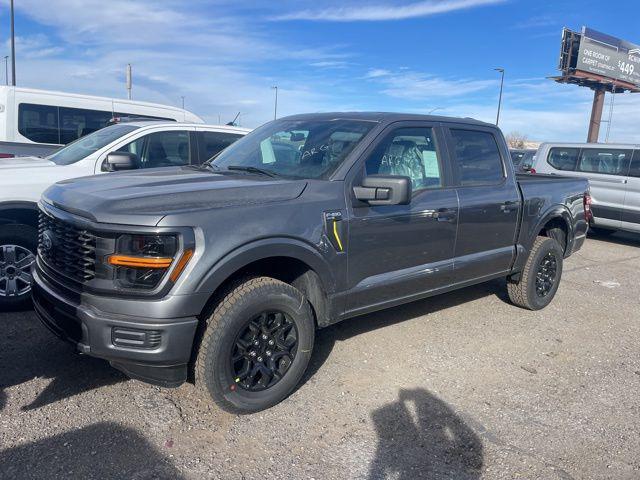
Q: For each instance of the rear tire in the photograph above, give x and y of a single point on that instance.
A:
(540, 277)
(18, 246)
(261, 326)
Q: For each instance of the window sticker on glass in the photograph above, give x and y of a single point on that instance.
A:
(430, 162)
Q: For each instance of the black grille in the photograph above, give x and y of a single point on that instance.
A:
(68, 250)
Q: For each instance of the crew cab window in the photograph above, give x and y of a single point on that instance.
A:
(477, 156)
(410, 152)
(562, 158)
(604, 160)
(634, 171)
(212, 143)
(161, 149)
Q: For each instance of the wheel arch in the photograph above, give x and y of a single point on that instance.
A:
(288, 260)
(19, 212)
(557, 216)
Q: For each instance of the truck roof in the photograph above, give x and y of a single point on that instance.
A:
(387, 117)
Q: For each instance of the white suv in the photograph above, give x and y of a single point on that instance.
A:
(121, 146)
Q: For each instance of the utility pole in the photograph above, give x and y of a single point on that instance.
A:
(501, 70)
(13, 49)
(596, 115)
(6, 69)
(182, 97)
(129, 81)
(275, 108)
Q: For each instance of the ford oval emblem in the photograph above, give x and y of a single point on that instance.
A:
(47, 241)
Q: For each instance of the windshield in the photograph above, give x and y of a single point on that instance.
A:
(85, 146)
(295, 148)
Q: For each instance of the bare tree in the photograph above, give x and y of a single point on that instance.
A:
(517, 140)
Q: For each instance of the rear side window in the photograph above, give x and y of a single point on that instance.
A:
(38, 123)
(214, 142)
(562, 158)
(477, 157)
(635, 165)
(604, 160)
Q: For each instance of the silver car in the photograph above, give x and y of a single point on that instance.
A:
(613, 171)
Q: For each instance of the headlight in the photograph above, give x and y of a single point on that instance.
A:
(141, 261)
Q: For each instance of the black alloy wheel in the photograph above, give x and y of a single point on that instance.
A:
(264, 350)
(256, 344)
(546, 274)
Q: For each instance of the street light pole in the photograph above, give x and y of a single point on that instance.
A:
(182, 97)
(501, 70)
(6, 69)
(433, 110)
(13, 50)
(275, 108)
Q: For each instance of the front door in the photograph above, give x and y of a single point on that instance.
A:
(398, 252)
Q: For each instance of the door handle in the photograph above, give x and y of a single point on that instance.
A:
(508, 206)
(441, 215)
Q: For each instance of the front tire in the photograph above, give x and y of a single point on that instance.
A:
(18, 245)
(256, 345)
(540, 277)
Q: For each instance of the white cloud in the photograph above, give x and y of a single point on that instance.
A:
(410, 85)
(175, 49)
(383, 11)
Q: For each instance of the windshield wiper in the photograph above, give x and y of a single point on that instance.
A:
(250, 169)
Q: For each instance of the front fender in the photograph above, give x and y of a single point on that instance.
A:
(267, 248)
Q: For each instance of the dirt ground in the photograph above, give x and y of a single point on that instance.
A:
(464, 386)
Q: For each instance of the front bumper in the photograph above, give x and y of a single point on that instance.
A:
(149, 349)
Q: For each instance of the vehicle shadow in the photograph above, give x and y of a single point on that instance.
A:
(420, 436)
(621, 238)
(29, 351)
(103, 450)
(327, 337)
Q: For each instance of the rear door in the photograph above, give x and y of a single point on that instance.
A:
(607, 171)
(631, 213)
(489, 202)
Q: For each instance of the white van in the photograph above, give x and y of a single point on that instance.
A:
(149, 144)
(37, 122)
(613, 171)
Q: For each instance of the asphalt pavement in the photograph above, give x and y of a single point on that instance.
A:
(462, 386)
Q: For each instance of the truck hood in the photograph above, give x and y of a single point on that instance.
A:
(144, 197)
(25, 162)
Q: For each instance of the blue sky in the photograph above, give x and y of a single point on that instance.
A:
(403, 55)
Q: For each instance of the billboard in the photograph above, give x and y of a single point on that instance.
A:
(607, 56)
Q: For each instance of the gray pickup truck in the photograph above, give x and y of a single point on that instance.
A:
(221, 274)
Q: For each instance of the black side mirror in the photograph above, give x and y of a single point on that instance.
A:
(384, 190)
(120, 161)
